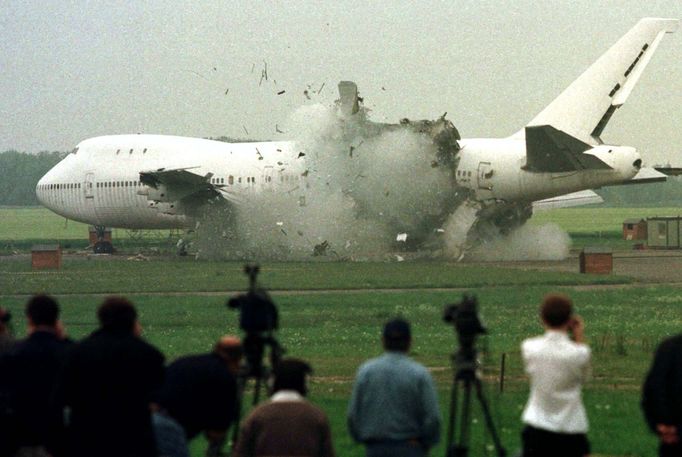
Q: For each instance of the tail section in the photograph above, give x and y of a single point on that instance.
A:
(586, 106)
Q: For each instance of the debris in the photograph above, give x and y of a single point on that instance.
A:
(434, 164)
(440, 230)
(260, 156)
(253, 67)
(348, 244)
(285, 233)
(352, 148)
(386, 192)
(277, 129)
(215, 69)
(305, 173)
(305, 92)
(300, 233)
(383, 88)
(401, 237)
(321, 249)
(227, 90)
(247, 132)
(300, 154)
(138, 258)
(399, 258)
(279, 150)
(321, 87)
(279, 163)
(281, 92)
(279, 224)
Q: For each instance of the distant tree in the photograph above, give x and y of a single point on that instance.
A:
(19, 174)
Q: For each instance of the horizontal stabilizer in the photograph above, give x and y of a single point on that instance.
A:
(584, 197)
(549, 150)
(669, 171)
(645, 176)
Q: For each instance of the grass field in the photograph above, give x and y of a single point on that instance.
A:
(332, 313)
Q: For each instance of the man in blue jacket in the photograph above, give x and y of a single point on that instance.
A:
(393, 410)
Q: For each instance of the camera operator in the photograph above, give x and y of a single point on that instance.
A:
(558, 365)
(394, 409)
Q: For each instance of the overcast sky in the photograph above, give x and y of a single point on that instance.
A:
(73, 70)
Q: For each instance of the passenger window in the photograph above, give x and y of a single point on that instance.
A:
(144, 151)
(131, 151)
(230, 180)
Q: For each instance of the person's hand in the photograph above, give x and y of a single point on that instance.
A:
(667, 433)
(577, 327)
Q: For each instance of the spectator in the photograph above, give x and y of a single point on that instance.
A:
(200, 391)
(6, 339)
(555, 418)
(29, 372)
(662, 396)
(288, 424)
(107, 383)
(394, 409)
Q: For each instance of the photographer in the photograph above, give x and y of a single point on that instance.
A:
(393, 409)
(558, 365)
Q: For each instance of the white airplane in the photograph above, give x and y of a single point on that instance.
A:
(155, 182)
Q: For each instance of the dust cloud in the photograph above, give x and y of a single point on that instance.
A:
(371, 192)
(528, 242)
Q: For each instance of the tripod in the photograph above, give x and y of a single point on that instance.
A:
(465, 377)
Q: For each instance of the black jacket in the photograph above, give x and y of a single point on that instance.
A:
(199, 393)
(29, 373)
(662, 392)
(107, 385)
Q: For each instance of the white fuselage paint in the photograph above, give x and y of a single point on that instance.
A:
(100, 184)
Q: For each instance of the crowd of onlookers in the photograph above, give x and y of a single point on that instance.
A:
(111, 394)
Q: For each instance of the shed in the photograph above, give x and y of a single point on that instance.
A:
(664, 232)
(598, 260)
(634, 229)
(46, 256)
(106, 235)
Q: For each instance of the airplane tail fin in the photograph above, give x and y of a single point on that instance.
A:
(586, 106)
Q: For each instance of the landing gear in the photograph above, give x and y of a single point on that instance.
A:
(103, 244)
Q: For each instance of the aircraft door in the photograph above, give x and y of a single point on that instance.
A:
(88, 185)
(485, 174)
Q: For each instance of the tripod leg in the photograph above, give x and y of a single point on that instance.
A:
(453, 419)
(462, 450)
(501, 452)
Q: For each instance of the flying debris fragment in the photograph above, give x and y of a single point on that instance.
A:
(227, 90)
(402, 237)
(279, 224)
(281, 92)
(321, 87)
(321, 249)
(399, 258)
(305, 173)
(277, 129)
(260, 156)
(300, 154)
(244, 127)
(307, 95)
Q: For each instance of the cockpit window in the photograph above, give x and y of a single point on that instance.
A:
(75, 151)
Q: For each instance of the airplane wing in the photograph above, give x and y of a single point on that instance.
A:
(584, 197)
(180, 184)
(549, 150)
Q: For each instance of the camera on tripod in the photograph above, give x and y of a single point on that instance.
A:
(464, 316)
(258, 318)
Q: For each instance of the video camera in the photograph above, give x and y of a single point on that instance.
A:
(464, 316)
(257, 312)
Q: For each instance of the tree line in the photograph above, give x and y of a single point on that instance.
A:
(20, 172)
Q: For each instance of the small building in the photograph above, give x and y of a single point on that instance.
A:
(664, 232)
(46, 256)
(596, 260)
(106, 235)
(634, 229)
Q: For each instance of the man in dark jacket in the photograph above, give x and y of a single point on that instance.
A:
(200, 391)
(107, 385)
(662, 396)
(29, 373)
